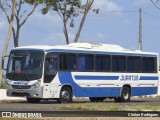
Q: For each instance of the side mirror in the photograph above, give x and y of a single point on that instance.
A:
(3, 61)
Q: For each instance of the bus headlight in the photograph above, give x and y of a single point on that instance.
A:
(37, 84)
(7, 82)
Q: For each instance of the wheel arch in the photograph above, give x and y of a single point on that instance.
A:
(69, 86)
(126, 85)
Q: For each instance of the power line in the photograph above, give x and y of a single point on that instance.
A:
(150, 14)
(117, 11)
(134, 11)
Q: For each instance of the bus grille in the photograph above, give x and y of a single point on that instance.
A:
(20, 94)
(21, 87)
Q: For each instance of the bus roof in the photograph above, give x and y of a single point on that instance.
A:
(83, 47)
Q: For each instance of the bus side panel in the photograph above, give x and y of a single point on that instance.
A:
(139, 91)
(66, 78)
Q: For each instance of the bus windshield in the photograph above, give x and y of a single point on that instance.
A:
(25, 65)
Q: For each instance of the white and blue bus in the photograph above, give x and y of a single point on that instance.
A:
(96, 71)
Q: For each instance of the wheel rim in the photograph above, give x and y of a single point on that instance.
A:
(65, 96)
(125, 94)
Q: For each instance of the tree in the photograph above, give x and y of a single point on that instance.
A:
(21, 14)
(11, 19)
(86, 8)
(68, 10)
(156, 3)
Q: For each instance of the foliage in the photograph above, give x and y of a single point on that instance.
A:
(2, 85)
(66, 9)
(24, 9)
(2, 82)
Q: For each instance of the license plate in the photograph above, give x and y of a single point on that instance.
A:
(20, 91)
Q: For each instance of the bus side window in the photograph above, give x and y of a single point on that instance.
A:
(85, 62)
(50, 70)
(81, 63)
(130, 63)
(68, 61)
(144, 64)
(137, 64)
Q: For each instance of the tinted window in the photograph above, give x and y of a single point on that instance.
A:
(122, 63)
(115, 66)
(102, 63)
(144, 64)
(106, 63)
(137, 64)
(130, 64)
(99, 63)
(68, 62)
(151, 65)
(85, 62)
(148, 64)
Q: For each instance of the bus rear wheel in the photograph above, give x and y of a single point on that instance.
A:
(125, 95)
(33, 100)
(65, 95)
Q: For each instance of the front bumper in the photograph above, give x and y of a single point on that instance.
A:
(29, 93)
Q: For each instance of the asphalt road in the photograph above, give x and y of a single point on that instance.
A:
(54, 109)
(54, 106)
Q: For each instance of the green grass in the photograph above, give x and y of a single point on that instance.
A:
(2, 85)
(110, 106)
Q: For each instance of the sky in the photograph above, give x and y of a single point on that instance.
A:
(117, 23)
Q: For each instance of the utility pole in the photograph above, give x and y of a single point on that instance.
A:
(140, 30)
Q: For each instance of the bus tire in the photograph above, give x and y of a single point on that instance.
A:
(33, 100)
(125, 95)
(65, 95)
(117, 99)
(92, 99)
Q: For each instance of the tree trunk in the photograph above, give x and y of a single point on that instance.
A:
(80, 28)
(8, 36)
(16, 39)
(86, 10)
(65, 32)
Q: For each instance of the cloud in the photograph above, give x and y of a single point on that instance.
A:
(140, 3)
(94, 38)
(48, 21)
(106, 5)
(2, 23)
(57, 39)
(127, 22)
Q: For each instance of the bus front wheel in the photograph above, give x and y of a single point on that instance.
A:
(33, 100)
(125, 95)
(65, 95)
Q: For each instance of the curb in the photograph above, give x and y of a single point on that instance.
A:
(3, 96)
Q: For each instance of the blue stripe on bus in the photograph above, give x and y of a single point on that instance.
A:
(99, 52)
(149, 78)
(139, 91)
(78, 91)
(79, 77)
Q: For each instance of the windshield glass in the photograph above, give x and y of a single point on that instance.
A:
(25, 65)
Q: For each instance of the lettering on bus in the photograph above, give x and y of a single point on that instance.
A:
(129, 77)
(20, 83)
